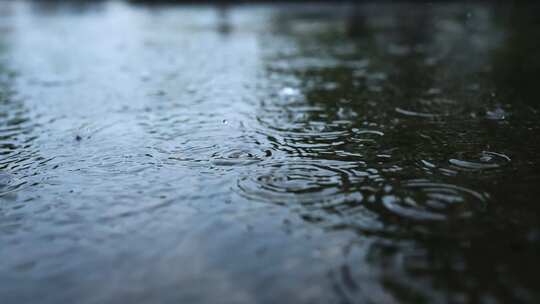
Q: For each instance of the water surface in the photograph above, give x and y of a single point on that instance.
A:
(269, 154)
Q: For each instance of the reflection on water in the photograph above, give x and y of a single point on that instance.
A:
(303, 154)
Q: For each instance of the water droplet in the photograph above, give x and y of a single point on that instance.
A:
(288, 92)
(496, 114)
(330, 86)
(434, 91)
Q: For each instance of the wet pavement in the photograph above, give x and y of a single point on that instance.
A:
(269, 154)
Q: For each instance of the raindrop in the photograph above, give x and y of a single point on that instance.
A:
(288, 92)
(496, 114)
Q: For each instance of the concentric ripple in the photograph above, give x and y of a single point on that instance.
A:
(301, 182)
(485, 160)
(237, 157)
(9, 183)
(429, 201)
(359, 149)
